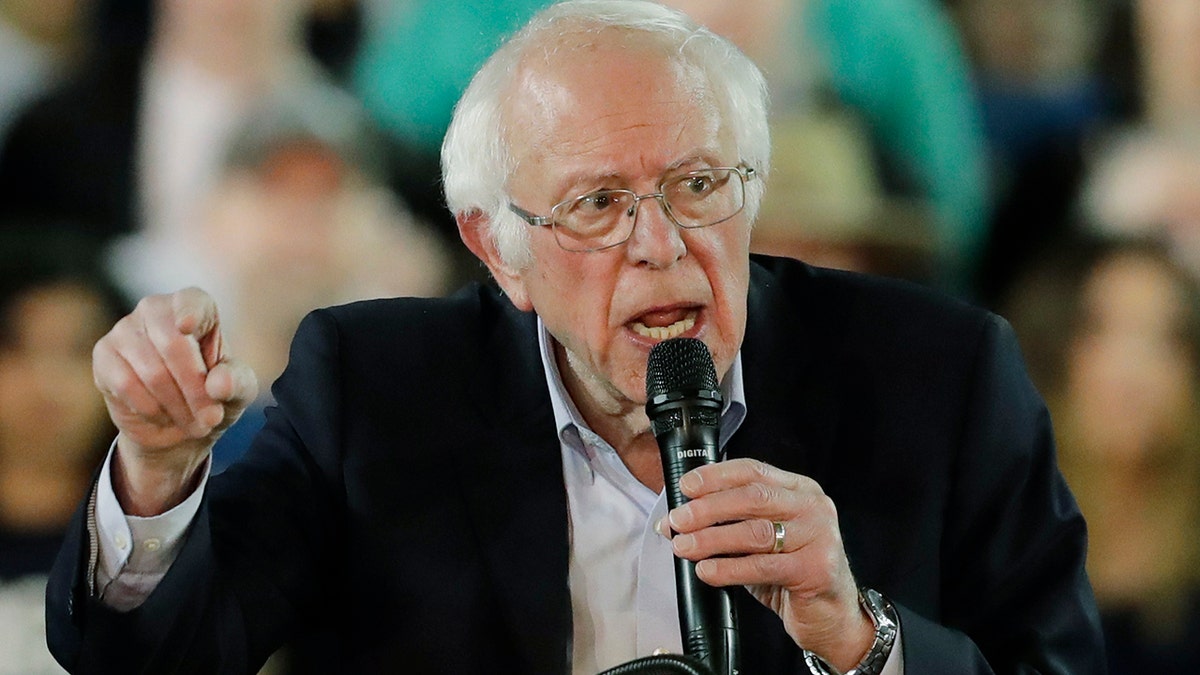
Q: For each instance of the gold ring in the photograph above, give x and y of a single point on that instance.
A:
(777, 547)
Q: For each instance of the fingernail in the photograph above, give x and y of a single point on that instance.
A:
(662, 528)
(683, 543)
(690, 482)
(211, 416)
(676, 516)
(704, 567)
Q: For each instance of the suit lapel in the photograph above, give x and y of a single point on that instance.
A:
(513, 483)
(792, 395)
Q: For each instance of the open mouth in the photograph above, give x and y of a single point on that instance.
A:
(664, 325)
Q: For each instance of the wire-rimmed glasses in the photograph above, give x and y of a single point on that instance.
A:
(606, 218)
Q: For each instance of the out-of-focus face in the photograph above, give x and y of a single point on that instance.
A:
(607, 117)
(1130, 370)
(304, 229)
(50, 411)
(278, 227)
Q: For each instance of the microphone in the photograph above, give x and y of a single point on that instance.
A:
(683, 402)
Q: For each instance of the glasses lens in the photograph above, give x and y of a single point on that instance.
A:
(605, 218)
(596, 220)
(702, 198)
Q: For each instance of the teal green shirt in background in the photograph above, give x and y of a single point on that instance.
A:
(419, 55)
(902, 65)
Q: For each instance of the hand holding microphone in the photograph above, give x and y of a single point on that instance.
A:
(744, 522)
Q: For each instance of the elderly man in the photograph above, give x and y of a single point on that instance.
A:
(470, 485)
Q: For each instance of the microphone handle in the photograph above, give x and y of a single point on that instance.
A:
(706, 615)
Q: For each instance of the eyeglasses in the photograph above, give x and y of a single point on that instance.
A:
(606, 218)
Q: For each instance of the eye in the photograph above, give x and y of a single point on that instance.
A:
(599, 201)
(698, 184)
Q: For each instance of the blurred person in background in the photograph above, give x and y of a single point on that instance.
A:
(41, 41)
(1111, 329)
(54, 304)
(1144, 181)
(133, 142)
(333, 32)
(1039, 68)
(300, 218)
(898, 67)
(414, 61)
(1144, 176)
(827, 205)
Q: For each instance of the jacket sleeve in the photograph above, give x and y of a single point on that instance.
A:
(1015, 591)
(261, 544)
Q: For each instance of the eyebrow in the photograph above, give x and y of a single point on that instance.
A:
(574, 185)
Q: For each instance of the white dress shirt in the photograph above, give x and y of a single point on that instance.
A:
(622, 577)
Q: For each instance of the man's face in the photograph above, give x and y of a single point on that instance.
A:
(608, 117)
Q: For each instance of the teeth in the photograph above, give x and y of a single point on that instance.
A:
(665, 332)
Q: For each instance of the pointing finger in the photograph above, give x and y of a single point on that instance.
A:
(179, 355)
(195, 314)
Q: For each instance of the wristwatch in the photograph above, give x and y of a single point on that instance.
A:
(883, 615)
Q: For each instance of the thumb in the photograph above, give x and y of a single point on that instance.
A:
(234, 384)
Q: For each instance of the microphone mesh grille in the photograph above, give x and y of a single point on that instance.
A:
(679, 364)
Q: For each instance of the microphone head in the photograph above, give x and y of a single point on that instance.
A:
(679, 364)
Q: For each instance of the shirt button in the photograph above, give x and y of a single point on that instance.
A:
(152, 544)
(120, 541)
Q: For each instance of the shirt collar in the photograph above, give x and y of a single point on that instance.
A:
(570, 423)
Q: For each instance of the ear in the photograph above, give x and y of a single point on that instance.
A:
(474, 229)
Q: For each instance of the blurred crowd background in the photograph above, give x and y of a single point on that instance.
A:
(1038, 157)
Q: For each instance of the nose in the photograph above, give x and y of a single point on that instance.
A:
(656, 240)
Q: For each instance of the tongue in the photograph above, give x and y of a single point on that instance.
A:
(660, 319)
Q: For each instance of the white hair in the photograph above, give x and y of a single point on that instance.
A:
(476, 162)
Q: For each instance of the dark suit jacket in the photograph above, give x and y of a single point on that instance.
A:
(407, 494)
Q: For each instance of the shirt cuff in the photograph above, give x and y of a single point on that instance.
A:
(135, 552)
